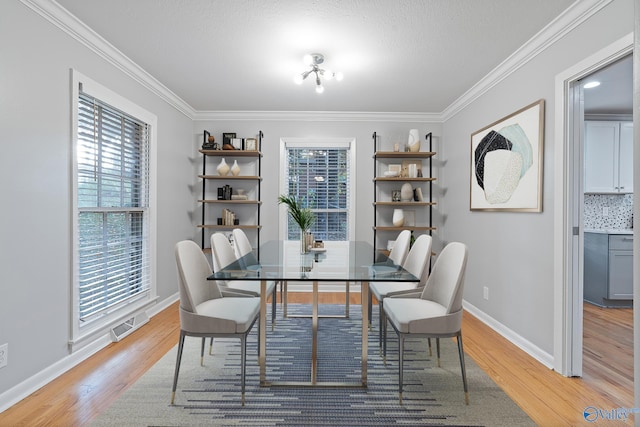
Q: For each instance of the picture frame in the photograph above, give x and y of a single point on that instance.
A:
(406, 166)
(506, 165)
(237, 143)
(251, 144)
(227, 137)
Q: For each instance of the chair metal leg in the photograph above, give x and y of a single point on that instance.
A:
(384, 342)
(346, 302)
(438, 350)
(178, 360)
(211, 347)
(462, 368)
(400, 364)
(243, 362)
(204, 339)
(283, 291)
(273, 306)
(370, 302)
(381, 321)
(430, 350)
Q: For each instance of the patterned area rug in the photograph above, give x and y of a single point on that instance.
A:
(210, 395)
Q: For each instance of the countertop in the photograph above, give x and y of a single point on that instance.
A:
(628, 231)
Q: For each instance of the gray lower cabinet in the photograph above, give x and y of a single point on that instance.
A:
(608, 269)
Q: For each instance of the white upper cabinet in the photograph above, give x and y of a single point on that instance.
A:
(608, 152)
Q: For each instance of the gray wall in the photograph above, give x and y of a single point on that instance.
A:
(512, 253)
(35, 219)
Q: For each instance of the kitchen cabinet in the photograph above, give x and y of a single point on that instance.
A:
(608, 268)
(608, 153)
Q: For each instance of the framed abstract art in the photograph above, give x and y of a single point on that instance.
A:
(506, 162)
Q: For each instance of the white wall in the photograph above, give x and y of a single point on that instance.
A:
(512, 253)
(35, 219)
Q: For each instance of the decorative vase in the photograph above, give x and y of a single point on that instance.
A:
(406, 192)
(235, 169)
(305, 241)
(414, 141)
(398, 217)
(223, 168)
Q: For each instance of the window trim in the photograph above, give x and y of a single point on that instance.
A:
(318, 142)
(81, 336)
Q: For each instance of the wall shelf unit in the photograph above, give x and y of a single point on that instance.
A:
(418, 212)
(213, 203)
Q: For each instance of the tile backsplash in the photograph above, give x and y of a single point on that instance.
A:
(620, 209)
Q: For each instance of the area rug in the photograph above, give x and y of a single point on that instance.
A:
(210, 395)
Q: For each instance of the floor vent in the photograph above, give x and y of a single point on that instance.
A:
(120, 331)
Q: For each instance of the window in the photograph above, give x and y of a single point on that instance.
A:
(113, 216)
(319, 172)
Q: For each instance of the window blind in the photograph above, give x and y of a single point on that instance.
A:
(320, 177)
(112, 157)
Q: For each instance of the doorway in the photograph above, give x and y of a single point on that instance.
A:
(569, 199)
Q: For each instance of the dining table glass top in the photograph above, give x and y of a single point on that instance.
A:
(337, 261)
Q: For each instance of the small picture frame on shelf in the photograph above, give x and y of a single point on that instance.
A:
(226, 140)
(411, 168)
(237, 143)
(251, 144)
(396, 195)
(409, 218)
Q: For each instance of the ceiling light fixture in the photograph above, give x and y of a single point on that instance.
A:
(314, 60)
(592, 84)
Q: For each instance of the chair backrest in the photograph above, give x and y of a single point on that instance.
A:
(242, 246)
(400, 247)
(193, 270)
(221, 251)
(445, 284)
(418, 258)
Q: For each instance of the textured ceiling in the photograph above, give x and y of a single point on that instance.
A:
(241, 55)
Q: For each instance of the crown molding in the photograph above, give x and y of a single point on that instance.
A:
(317, 116)
(575, 15)
(61, 18)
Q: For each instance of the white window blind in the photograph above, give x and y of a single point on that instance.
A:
(320, 176)
(112, 156)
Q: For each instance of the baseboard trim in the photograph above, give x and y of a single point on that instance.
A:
(42, 378)
(523, 344)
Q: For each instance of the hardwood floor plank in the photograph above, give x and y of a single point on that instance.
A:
(81, 394)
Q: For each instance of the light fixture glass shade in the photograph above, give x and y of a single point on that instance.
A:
(319, 88)
(298, 79)
(339, 76)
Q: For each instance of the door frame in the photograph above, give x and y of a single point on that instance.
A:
(568, 221)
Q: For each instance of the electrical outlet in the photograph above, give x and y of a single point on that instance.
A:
(605, 211)
(4, 355)
(485, 293)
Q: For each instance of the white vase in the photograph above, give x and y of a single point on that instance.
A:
(406, 192)
(235, 169)
(414, 141)
(398, 217)
(223, 168)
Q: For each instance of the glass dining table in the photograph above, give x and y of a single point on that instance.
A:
(338, 261)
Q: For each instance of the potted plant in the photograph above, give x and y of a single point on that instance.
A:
(304, 217)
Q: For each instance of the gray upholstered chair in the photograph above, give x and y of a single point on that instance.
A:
(396, 256)
(416, 263)
(206, 311)
(436, 312)
(223, 254)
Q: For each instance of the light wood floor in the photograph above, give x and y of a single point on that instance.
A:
(79, 395)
